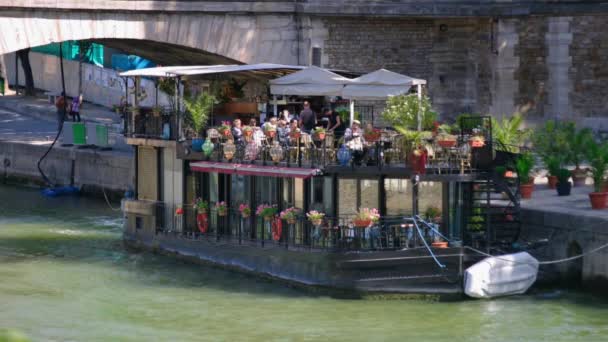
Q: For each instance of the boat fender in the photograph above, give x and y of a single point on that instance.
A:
(202, 221)
(277, 229)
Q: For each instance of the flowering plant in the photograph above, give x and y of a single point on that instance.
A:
(315, 215)
(367, 214)
(245, 210)
(201, 205)
(295, 133)
(266, 210)
(221, 208)
(372, 134)
(224, 129)
(247, 129)
(289, 214)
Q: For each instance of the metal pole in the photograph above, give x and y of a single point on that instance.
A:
(16, 74)
(419, 107)
(352, 112)
(274, 106)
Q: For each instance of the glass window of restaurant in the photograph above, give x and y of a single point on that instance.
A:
(398, 196)
(431, 195)
(321, 199)
(354, 193)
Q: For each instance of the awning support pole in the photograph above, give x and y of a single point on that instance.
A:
(274, 106)
(352, 112)
(419, 107)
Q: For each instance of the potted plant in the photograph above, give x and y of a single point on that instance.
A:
(554, 164)
(198, 109)
(372, 134)
(224, 130)
(315, 217)
(202, 221)
(221, 208)
(444, 137)
(290, 215)
(577, 141)
(523, 166)
(403, 111)
(270, 131)
(508, 134)
(597, 155)
(477, 141)
(414, 148)
(245, 210)
(318, 133)
(365, 217)
(247, 133)
(563, 185)
(295, 134)
(266, 211)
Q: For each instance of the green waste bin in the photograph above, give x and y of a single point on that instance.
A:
(1, 85)
(79, 133)
(102, 136)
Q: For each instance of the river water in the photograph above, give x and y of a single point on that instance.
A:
(65, 276)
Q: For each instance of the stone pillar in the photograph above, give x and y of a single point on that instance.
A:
(559, 85)
(505, 85)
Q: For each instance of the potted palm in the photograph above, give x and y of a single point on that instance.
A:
(554, 165)
(198, 109)
(563, 185)
(578, 141)
(523, 166)
(597, 155)
(551, 144)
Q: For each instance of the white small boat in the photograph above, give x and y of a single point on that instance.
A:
(503, 275)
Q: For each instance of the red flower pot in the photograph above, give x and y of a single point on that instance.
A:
(552, 181)
(320, 136)
(598, 200)
(446, 143)
(271, 134)
(442, 244)
(362, 223)
(526, 190)
(248, 133)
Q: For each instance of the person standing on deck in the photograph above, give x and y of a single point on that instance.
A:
(308, 119)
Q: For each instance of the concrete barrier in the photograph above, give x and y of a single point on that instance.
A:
(89, 169)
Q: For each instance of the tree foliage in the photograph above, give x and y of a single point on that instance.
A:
(402, 111)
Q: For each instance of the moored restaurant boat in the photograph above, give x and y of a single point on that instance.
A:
(363, 214)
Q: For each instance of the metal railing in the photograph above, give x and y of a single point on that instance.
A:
(335, 234)
(150, 125)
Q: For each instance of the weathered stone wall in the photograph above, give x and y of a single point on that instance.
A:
(589, 73)
(452, 54)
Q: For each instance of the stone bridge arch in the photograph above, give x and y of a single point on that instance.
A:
(245, 38)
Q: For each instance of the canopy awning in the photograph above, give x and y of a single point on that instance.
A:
(269, 70)
(312, 81)
(379, 84)
(253, 170)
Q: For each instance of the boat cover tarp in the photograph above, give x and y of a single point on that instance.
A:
(253, 170)
(379, 85)
(312, 81)
(503, 275)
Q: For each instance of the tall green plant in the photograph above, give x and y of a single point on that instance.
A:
(578, 141)
(597, 155)
(551, 144)
(198, 109)
(523, 166)
(508, 133)
(402, 110)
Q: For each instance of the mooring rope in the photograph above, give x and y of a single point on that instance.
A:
(548, 262)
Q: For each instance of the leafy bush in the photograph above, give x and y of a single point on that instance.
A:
(563, 175)
(199, 109)
(508, 133)
(402, 111)
(551, 144)
(523, 166)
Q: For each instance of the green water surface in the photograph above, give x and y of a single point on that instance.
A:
(65, 276)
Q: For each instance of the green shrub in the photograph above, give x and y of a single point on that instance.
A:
(523, 166)
(402, 111)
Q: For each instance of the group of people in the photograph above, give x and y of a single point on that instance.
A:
(281, 126)
(72, 107)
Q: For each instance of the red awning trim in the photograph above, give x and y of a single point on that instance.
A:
(253, 170)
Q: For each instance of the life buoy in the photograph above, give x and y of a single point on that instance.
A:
(202, 221)
(277, 229)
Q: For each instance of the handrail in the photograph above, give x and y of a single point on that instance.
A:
(427, 246)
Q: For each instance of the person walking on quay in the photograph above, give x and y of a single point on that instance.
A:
(60, 105)
(75, 108)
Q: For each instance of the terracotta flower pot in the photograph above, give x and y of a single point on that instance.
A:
(320, 136)
(552, 181)
(442, 244)
(418, 162)
(316, 222)
(222, 212)
(446, 143)
(598, 200)
(526, 190)
(248, 133)
(362, 223)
